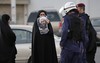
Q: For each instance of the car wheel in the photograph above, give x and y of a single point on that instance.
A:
(30, 60)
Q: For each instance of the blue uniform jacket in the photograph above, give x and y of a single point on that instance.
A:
(84, 18)
(70, 44)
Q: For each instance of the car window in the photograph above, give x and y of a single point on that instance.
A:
(95, 22)
(32, 17)
(22, 36)
(52, 16)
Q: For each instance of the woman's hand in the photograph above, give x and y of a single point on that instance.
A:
(48, 21)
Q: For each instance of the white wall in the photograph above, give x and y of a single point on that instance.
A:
(92, 6)
(46, 4)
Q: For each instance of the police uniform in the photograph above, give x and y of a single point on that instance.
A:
(72, 50)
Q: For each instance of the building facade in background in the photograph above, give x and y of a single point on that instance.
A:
(25, 7)
(21, 9)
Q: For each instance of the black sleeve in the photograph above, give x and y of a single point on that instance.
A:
(50, 29)
(92, 37)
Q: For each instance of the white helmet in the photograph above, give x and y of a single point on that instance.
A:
(62, 11)
(69, 6)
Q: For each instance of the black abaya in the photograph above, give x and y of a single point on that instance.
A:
(43, 46)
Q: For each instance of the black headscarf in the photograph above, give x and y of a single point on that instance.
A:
(5, 18)
(43, 46)
(40, 12)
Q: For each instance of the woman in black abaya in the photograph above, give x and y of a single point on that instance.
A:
(43, 45)
(7, 41)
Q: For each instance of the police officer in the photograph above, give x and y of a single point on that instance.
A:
(91, 45)
(71, 49)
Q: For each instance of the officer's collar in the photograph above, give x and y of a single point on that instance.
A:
(74, 14)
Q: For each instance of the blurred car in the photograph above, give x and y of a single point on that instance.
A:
(52, 15)
(23, 43)
(96, 24)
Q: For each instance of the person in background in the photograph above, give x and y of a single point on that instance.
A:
(43, 44)
(72, 35)
(7, 43)
(91, 45)
(62, 13)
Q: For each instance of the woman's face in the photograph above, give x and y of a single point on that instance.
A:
(42, 14)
